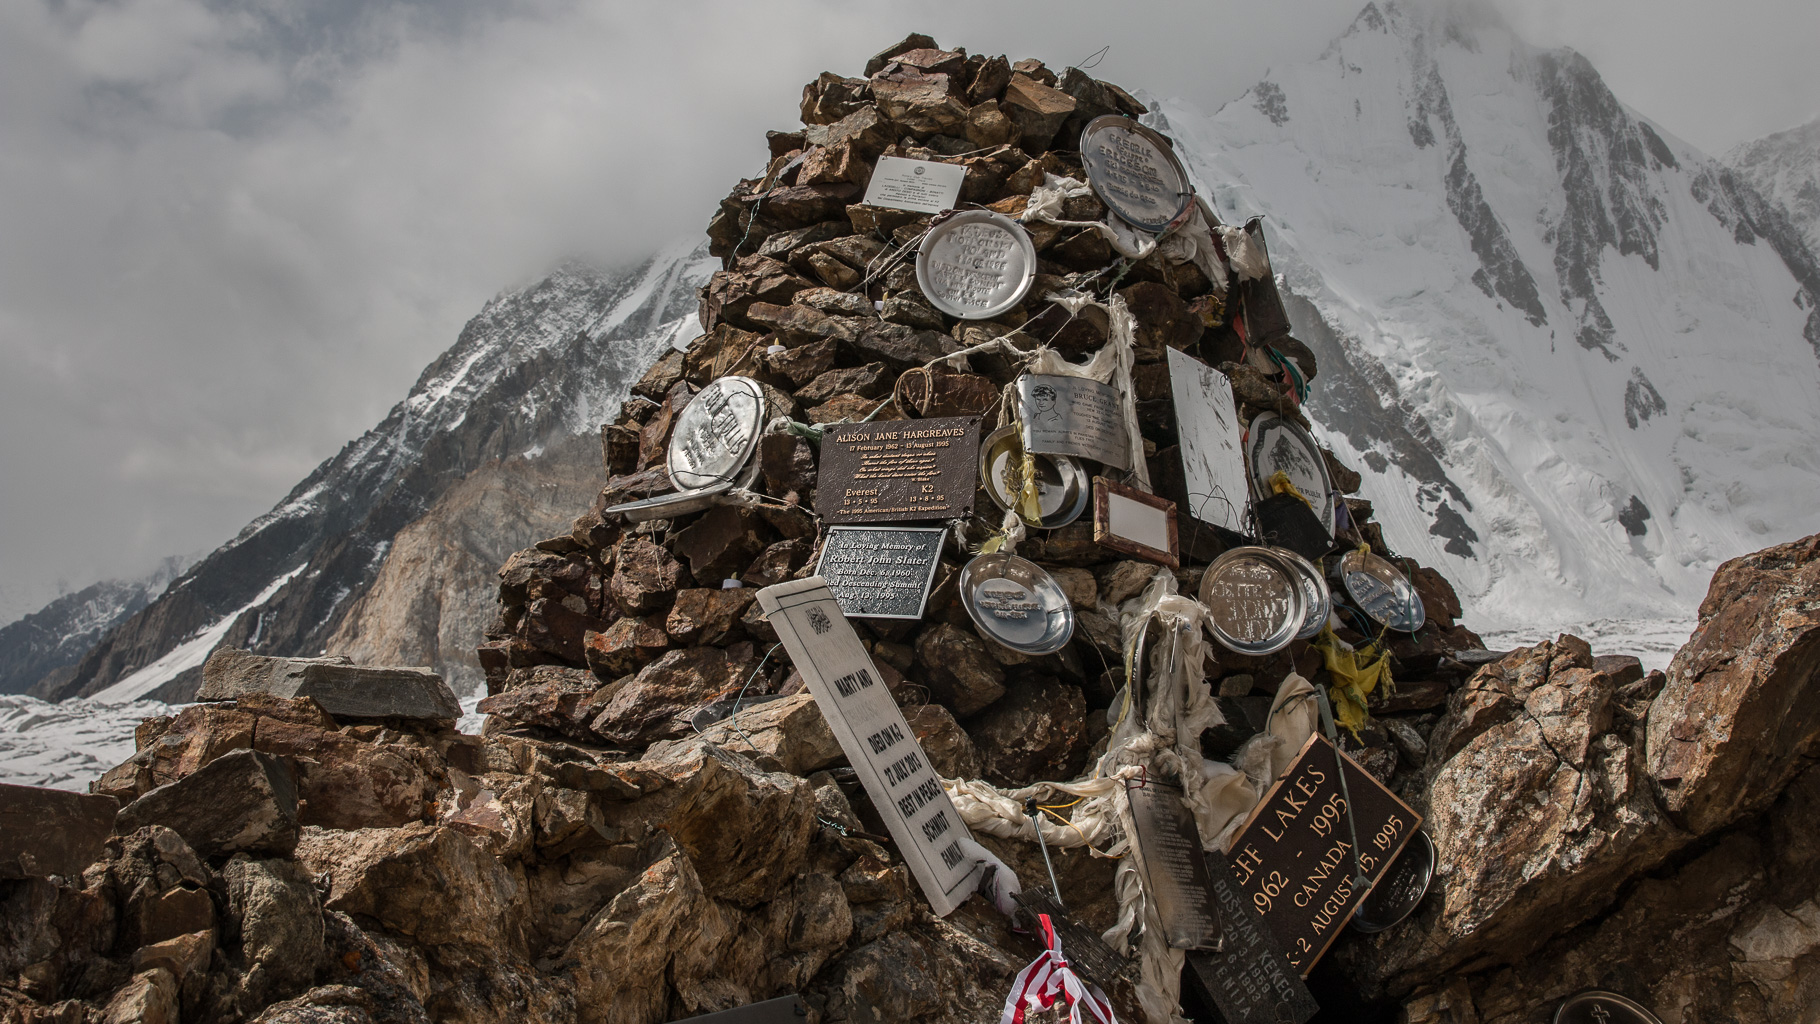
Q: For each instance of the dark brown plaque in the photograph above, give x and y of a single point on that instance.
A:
(1248, 979)
(1141, 525)
(1294, 857)
(898, 470)
(1174, 870)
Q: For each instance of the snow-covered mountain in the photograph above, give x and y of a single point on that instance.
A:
(1785, 169)
(56, 636)
(535, 370)
(1581, 358)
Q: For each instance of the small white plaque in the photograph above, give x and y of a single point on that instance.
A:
(871, 729)
(920, 185)
(1137, 522)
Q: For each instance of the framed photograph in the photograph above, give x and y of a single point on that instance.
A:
(1141, 525)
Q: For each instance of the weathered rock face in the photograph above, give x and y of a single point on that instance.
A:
(335, 683)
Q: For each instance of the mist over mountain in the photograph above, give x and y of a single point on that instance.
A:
(1784, 168)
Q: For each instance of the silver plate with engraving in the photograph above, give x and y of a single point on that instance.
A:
(1595, 1006)
(975, 265)
(1381, 591)
(1015, 602)
(881, 572)
(1255, 602)
(1274, 444)
(716, 433)
(1314, 588)
(1063, 488)
(1135, 173)
(1401, 887)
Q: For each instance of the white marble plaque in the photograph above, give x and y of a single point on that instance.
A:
(1213, 462)
(920, 185)
(1073, 416)
(871, 729)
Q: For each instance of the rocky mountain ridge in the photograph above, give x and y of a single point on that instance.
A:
(1784, 168)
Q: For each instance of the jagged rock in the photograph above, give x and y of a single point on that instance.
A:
(788, 465)
(901, 347)
(559, 625)
(960, 671)
(340, 687)
(1739, 711)
(555, 698)
(803, 363)
(1037, 731)
(923, 103)
(721, 542)
(789, 733)
(647, 708)
(709, 617)
(150, 998)
(845, 408)
(244, 800)
(51, 831)
(645, 577)
(626, 646)
(951, 751)
(277, 919)
(868, 381)
(1037, 109)
(1624, 669)
(424, 882)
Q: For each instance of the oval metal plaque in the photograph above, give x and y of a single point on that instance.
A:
(716, 433)
(1274, 444)
(1135, 173)
(1382, 591)
(1062, 486)
(1255, 603)
(1595, 1006)
(975, 265)
(1015, 602)
(1401, 888)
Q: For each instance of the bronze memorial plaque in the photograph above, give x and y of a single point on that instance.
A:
(1294, 858)
(1248, 979)
(898, 470)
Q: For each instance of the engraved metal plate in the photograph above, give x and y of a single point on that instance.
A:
(1095, 961)
(922, 186)
(1594, 1006)
(898, 470)
(1073, 416)
(1275, 444)
(1016, 603)
(1314, 589)
(1135, 172)
(1213, 461)
(1061, 484)
(881, 572)
(975, 265)
(1173, 865)
(1382, 591)
(1397, 893)
(1255, 602)
(1250, 980)
(716, 433)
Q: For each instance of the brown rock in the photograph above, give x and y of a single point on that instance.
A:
(803, 363)
(911, 310)
(1037, 109)
(958, 669)
(831, 97)
(989, 81)
(901, 347)
(661, 377)
(802, 205)
(51, 831)
(645, 578)
(555, 698)
(626, 646)
(150, 998)
(987, 125)
(558, 624)
(778, 563)
(278, 916)
(788, 465)
(849, 408)
(788, 733)
(827, 300)
(183, 956)
(940, 393)
(243, 800)
(913, 41)
(800, 324)
(1623, 669)
(752, 279)
(868, 381)
(423, 882)
(648, 708)
(709, 616)
(779, 245)
(1740, 707)
(951, 751)
(336, 685)
(346, 783)
(723, 541)
(1164, 321)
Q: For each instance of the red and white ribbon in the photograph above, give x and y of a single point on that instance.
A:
(1048, 979)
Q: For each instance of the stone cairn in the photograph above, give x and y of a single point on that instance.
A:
(314, 842)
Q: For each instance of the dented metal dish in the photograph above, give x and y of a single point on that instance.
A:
(716, 433)
(975, 265)
(1254, 599)
(1314, 589)
(1381, 591)
(1017, 603)
(1135, 172)
(1063, 488)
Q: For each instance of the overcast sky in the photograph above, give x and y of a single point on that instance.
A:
(232, 234)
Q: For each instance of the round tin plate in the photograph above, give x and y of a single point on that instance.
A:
(1062, 487)
(1382, 592)
(716, 433)
(1255, 601)
(1314, 590)
(976, 264)
(1135, 173)
(1404, 884)
(1013, 601)
(1274, 444)
(1595, 1006)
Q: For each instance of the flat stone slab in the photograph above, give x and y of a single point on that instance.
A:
(244, 800)
(344, 689)
(51, 831)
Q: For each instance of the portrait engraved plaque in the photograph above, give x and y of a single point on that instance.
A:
(870, 728)
(1294, 857)
(1174, 871)
(716, 433)
(1249, 979)
(898, 470)
(1073, 416)
(1213, 462)
(923, 186)
(1135, 171)
(975, 264)
(1275, 445)
(881, 572)
(1255, 601)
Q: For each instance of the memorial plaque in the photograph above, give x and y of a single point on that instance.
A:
(975, 265)
(1294, 857)
(1401, 889)
(1091, 958)
(1250, 979)
(1276, 444)
(782, 1010)
(1135, 171)
(924, 186)
(1594, 1006)
(1254, 599)
(716, 433)
(1073, 416)
(1141, 525)
(1170, 857)
(1017, 603)
(881, 572)
(870, 727)
(898, 470)
(1381, 591)
(1213, 461)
